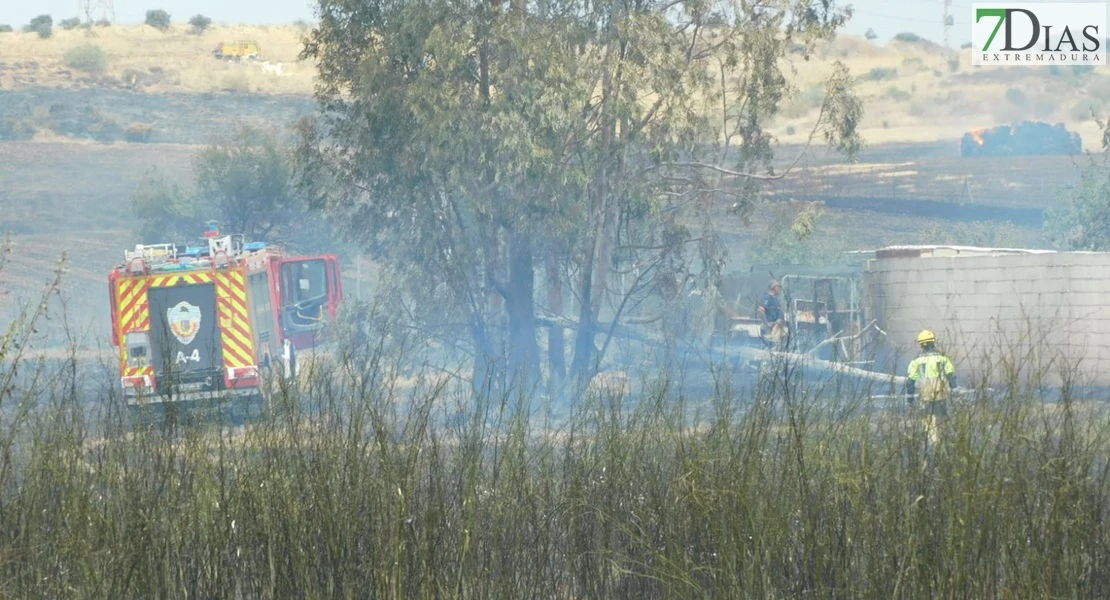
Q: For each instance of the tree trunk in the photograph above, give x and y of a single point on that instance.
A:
(584, 336)
(556, 353)
(524, 360)
(595, 268)
(486, 375)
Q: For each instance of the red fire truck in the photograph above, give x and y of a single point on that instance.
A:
(205, 320)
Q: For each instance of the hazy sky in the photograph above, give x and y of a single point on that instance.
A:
(887, 17)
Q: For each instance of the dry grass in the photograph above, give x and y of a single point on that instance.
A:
(937, 95)
(933, 94)
(789, 489)
(157, 62)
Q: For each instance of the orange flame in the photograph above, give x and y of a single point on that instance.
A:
(977, 135)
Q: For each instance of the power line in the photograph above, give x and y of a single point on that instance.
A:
(902, 18)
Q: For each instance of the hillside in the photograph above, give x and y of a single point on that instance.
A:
(146, 59)
(913, 91)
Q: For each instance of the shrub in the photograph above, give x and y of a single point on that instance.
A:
(870, 35)
(897, 94)
(199, 23)
(103, 23)
(803, 103)
(909, 37)
(912, 65)
(138, 133)
(42, 25)
(954, 64)
(70, 23)
(879, 74)
(86, 57)
(158, 19)
(6, 29)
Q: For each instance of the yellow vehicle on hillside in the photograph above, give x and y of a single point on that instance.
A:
(248, 49)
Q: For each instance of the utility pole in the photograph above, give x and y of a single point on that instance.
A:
(948, 21)
(104, 8)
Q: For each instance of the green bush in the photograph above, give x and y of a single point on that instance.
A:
(158, 19)
(139, 133)
(879, 74)
(70, 23)
(897, 94)
(6, 29)
(86, 57)
(909, 38)
(199, 23)
(42, 25)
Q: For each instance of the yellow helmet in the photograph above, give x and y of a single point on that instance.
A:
(926, 337)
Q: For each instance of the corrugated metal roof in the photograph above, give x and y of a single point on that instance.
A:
(945, 250)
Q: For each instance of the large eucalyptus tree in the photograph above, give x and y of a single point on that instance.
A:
(475, 144)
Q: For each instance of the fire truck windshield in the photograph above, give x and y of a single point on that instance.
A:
(305, 291)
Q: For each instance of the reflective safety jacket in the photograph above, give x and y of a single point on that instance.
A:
(932, 375)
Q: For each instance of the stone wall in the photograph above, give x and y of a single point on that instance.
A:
(1000, 315)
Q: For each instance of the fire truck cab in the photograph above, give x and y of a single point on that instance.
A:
(212, 319)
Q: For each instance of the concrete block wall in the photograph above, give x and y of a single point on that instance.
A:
(1041, 314)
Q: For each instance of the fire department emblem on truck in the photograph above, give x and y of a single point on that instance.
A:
(184, 321)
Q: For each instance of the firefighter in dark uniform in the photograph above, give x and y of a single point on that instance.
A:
(773, 330)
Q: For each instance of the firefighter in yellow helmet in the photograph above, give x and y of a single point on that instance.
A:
(932, 377)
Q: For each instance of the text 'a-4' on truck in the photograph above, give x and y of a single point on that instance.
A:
(216, 318)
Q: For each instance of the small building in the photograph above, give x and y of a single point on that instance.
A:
(1003, 314)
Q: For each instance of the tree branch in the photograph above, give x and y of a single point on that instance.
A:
(730, 172)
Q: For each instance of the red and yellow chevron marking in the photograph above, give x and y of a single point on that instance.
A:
(231, 306)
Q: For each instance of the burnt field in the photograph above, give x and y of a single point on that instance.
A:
(74, 196)
(933, 180)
